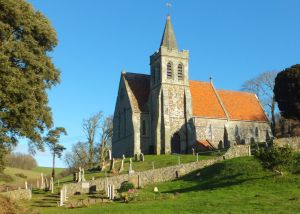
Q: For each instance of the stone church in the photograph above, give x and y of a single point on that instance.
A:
(165, 112)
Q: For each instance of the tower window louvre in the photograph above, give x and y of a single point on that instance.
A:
(180, 72)
(169, 71)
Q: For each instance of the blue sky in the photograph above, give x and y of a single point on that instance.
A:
(232, 41)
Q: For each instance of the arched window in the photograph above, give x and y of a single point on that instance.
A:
(169, 70)
(256, 132)
(180, 72)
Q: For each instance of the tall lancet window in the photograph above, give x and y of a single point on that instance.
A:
(180, 72)
(169, 70)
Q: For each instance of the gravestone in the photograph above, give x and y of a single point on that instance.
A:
(42, 181)
(52, 185)
(112, 192)
(46, 184)
(79, 175)
(26, 186)
(65, 193)
(112, 164)
(130, 167)
(142, 158)
(61, 201)
(122, 166)
(193, 151)
(109, 154)
(82, 175)
(136, 157)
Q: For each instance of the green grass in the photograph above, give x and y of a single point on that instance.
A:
(47, 170)
(238, 185)
(159, 161)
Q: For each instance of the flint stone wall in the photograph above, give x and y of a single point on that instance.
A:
(154, 175)
(21, 194)
(293, 142)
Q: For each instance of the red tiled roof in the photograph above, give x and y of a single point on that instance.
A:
(139, 85)
(205, 103)
(204, 143)
(204, 100)
(242, 106)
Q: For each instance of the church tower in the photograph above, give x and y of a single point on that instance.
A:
(170, 97)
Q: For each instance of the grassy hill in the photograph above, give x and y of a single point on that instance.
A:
(16, 176)
(238, 185)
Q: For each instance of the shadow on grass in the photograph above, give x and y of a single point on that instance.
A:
(218, 176)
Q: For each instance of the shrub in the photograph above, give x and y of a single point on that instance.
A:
(276, 158)
(125, 186)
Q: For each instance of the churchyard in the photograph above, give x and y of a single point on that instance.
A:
(230, 186)
(226, 184)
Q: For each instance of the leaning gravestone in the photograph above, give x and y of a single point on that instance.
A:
(112, 164)
(122, 166)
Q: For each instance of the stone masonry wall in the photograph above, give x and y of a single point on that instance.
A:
(21, 194)
(293, 142)
(155, 175)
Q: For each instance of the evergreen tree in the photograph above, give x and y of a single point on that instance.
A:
(52, 140)
(287, 92)
(26, 73)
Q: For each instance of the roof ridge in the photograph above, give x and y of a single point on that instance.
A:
(220, 101)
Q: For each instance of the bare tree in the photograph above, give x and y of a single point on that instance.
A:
(106, 138)
(90, 127)
(263, 86)
(78, 157)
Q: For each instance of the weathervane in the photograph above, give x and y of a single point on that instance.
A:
(169, 5)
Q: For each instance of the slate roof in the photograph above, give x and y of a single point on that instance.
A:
(205, 102)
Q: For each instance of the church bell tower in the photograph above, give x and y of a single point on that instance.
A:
(170, 104)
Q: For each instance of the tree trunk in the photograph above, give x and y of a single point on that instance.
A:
(91, 154)
(53, 164)
(273, 125)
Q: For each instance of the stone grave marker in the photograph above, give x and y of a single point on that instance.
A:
(142, 158)
(136, 157)
(122, 166)
(130, 167)
(112, 164)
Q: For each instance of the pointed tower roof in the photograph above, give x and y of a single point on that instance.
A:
(168, 40)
